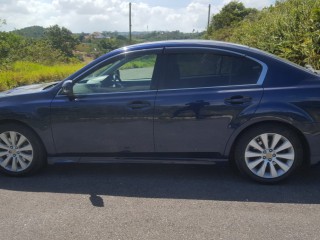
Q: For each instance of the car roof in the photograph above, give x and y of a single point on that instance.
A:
(187, 43)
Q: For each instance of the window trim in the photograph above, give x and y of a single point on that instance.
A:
(80, 96)
(260, 81)
(213, 87)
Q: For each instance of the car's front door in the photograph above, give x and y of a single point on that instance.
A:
(203, 97)
(112, 109)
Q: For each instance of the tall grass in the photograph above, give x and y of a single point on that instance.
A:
(23, 73)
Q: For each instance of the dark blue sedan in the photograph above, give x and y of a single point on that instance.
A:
(173, 101)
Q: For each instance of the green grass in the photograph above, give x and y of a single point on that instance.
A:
(23, 73)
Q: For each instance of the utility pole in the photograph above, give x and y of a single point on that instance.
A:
(130, 25)
(209, 13)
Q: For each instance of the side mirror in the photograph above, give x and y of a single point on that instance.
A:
(67, 88)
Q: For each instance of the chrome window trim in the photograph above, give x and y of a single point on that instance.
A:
(264, 71)
(264, 65)
(213, 87)
(175, 89)
(110, 93)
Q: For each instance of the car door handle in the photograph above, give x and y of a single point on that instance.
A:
(238, 99)
(139, 104)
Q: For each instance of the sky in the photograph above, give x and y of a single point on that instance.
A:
(112, 15)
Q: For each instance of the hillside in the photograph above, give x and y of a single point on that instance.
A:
(35, 32)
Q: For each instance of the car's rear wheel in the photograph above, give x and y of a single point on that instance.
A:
(268, 153)
(21, 152)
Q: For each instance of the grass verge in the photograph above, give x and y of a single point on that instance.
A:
(23, 73)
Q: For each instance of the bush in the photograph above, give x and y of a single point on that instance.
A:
(290, 29)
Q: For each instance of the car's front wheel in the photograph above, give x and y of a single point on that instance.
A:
(268, 153)
(21, 152)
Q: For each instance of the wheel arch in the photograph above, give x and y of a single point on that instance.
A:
(306, 148)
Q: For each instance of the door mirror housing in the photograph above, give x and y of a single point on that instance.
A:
(67, 88)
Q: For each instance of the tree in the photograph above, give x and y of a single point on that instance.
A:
(39, 51)
(107, 45)
(9, 44)
(82, 37)
(61, 39)
(289, 29)
(230, 14)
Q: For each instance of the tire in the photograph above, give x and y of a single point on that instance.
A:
(21, 151)
(268, 153)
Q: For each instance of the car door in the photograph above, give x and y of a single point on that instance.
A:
(204, 96)
(112, 109)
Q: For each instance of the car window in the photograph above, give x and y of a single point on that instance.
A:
(121, 75)
(190, 70)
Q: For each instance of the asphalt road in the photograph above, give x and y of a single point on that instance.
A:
(115, 201)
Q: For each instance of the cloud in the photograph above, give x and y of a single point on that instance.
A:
(111, 15)
(25, 13)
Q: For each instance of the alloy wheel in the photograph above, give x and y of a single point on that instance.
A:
(269, 155)
(16, 151)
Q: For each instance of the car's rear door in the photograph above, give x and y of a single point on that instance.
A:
(107, 114)
(204, 96)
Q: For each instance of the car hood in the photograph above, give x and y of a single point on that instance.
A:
(33, 88)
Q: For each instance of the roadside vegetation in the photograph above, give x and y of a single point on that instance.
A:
(45, 58)
(289, 29)
(23, 73)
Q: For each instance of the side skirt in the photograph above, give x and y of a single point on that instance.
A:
(155, 158)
